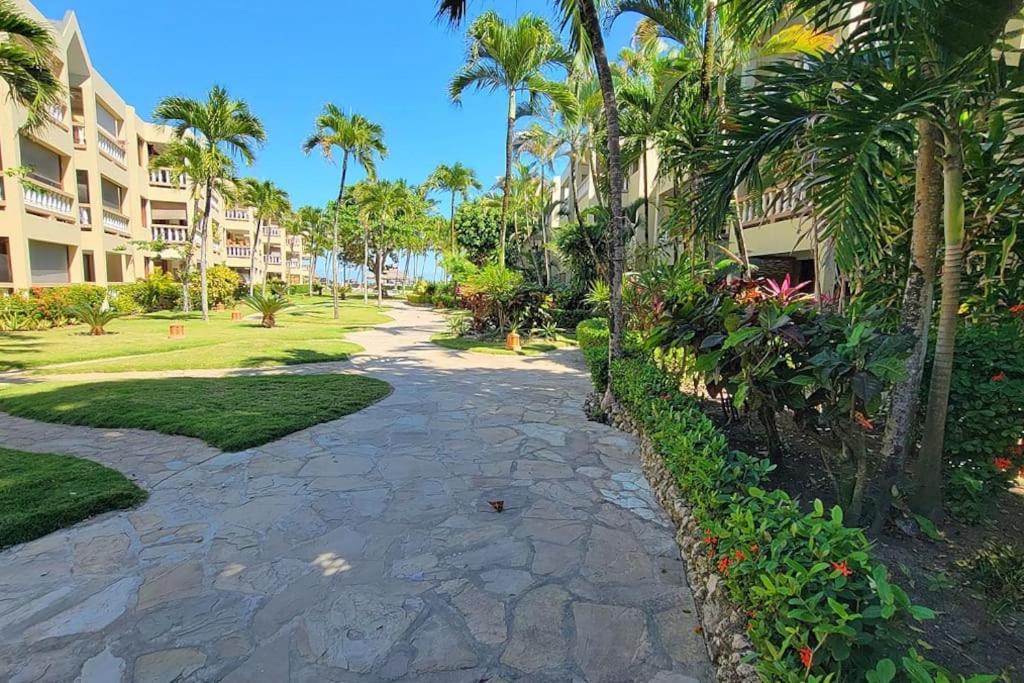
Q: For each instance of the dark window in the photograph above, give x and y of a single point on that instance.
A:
(88, 267)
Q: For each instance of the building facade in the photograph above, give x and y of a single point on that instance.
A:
(81, 202)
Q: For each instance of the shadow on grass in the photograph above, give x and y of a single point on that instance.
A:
(230, 413)
(17, 343)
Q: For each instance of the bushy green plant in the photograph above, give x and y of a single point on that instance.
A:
(96, 316)
(156, 292)
(458, 324)
(19, 314)
(55, 303)
(592, 336)
(477, 230)
(222, 285)
(267, 306)
(598, 297)
(495, 287)
(986, 418)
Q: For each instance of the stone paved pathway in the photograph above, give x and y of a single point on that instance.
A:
(364, 549)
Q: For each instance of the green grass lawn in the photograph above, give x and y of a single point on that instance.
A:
(230, 413)
(306, 333)
(531, 347)
(43, 492)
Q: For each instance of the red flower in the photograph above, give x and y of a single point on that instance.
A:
(739, 555)
(863, 421)
(709, 539)
(1019, 308)
(806, 657)
(842, 568)
(755, 548)
(1002, 464)
(723, 565)
(1018, 449)
(999, 377)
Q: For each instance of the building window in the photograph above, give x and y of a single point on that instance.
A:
(5, 260)
(82, 177)
(44, 165)
(107, 121)
(115, 267)
(113, 195)
(48, 263)
(88, 267)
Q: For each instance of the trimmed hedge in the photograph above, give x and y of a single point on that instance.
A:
(592, 336)
(820, 608)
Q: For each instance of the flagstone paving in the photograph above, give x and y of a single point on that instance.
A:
(364, 549)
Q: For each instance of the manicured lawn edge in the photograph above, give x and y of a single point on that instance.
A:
(43, 492)
(230, 413)
(783, 594)
(496, 348)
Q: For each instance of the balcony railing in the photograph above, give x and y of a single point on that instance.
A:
(111, 148)
(169, 233)
(275, 232)
(239, 252)
(165, 177)
(50, 201)
(273, 259)
(78, 132)
(293, 263)
(85, 215)
(773, 205)
(57, 112)
(237, 214)
(115, 220)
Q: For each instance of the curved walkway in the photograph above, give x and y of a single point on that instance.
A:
(364, 549)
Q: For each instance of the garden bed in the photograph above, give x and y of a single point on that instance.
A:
(966, 634)
(530, 347)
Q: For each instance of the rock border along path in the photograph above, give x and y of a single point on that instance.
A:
(364, 549)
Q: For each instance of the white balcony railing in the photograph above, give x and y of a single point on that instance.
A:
(275, 232)
(274, 259)
(84, 214)
(51, 201)
(114, 220)
(165, 177)
(773, 205)
(78, 132)
(293, 263)
(237, 214)
(109, 147)
(239, 252)
(169, 233)
(56, 112)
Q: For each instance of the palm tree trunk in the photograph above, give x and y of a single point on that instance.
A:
(741, 239)
(579, 217)
(334, 236)
(252, 254)
(312, 271)
(652, 237)
(927, 499)
(379, 273)
(915, 317)
(506, 184)
(366, 262)
(453, 222)
(707, 65)
(544, 229)
(204, 300)
(592, 26)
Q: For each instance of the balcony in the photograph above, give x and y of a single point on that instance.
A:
(78, 133)
(165, 177)
(239, 252)
(85, 215)
(111, 148)
(49, 202)
(293, 264)
(115, 221)
(273, 259)
(275, 232)
(57, 112)
(773, 205)
(169, 233)
(237, 214)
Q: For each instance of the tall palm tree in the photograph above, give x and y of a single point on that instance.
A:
(511, 58)
(268, 202)
(456, 179)
(310, 221)
(356, 137)
(219, 123)
(544, 146)
(26, 64)
(388, 209)
(191, 166)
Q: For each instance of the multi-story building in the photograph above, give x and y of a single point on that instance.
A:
(80, 201)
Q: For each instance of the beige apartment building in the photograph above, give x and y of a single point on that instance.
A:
(80, 202)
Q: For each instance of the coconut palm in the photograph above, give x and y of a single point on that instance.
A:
(219, 123)
(310, 226)
(456, 179)
(511, 58)
(388, 209)
(269, 203)
(26, 64)
(357, 138)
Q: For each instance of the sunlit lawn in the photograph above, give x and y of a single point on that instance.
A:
(306, 333)
(231, 413)
(531, 347)
(43, 492)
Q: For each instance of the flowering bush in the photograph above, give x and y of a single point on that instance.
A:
(56, 303)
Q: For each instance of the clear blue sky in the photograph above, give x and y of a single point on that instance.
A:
(390, 61)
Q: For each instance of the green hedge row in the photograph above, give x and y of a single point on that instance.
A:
(592, 336)
(819, 607)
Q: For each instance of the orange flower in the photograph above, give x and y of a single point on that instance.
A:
(1019, 308)
(723, 565)
(863, 421)
(999, 376)
(1002, 464)
(806, 657)
(755, 548)
(842, 568)
(739, 555)
(750, 626)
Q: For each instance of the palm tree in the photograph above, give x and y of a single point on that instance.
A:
(544, 146)
(192, 165)
(388, 210)
(268, 202)
(26, 64)
(219, 123)
(310, 221)
(511, 58)
(357, 137)
(458, 180)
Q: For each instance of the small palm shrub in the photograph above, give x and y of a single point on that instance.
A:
(96, 316)
(267, 306)
(458, 324)
(598, 297)
(494, 287)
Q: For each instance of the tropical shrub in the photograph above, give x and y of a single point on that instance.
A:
(477, 230)
(584, 248)
(817, 603)
(592, 336)
(531, 306)
(96, 316)
(421, 293)
(491, 292)
(156, 292)
(223, 285)
(459, 324)
(19, 314)
(55, 303)
(986, 418)
(267, 306)
(458, 266)
(598, 297)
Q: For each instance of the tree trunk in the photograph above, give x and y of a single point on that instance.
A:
(379, 273)
(366, 262)
(507, 183)
(312, 271)
(579, 217)
(927, 499)
(544, 229)
(915, 318)
(707, 65)
(741, 239)
(592, 26)
(252, 255)
(334, 237)
(204, 299)
(652, 236)
(453, 223)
